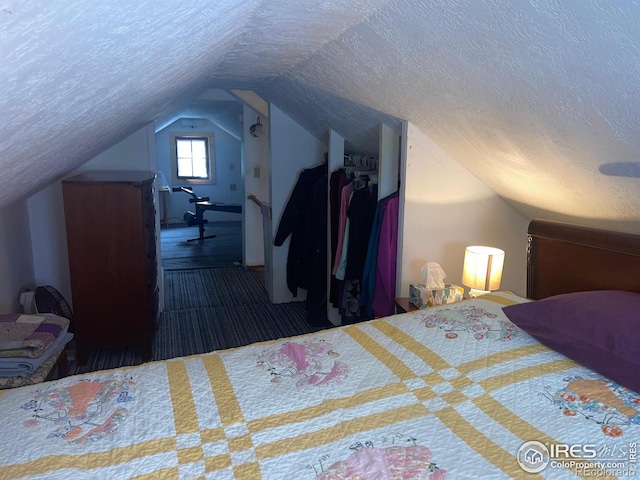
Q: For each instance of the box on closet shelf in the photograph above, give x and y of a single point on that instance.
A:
(422, 297)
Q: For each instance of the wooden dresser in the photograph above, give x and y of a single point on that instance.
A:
(111, 238)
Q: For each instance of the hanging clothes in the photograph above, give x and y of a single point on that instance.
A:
(385, 290)
(342, 261)
(360, 213)
(345, 196)
(316, 303)
(298, 221)
(305, 219)
(370, 265)
(337, 182)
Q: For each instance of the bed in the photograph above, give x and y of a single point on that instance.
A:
(456, 391)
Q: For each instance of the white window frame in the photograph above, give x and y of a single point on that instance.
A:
(210, 158)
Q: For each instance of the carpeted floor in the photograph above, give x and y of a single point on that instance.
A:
(222, 251)
(213, 287)
(231, 309)
(210, 309)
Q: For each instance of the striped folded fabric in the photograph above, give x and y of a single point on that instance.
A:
(28, 336)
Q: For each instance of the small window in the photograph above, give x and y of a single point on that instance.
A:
(192, 158)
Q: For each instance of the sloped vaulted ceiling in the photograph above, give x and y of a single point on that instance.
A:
(77, 76)
(537, 98)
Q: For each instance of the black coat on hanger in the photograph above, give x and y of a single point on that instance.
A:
(298, 221)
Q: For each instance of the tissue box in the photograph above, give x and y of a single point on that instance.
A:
(422, 298)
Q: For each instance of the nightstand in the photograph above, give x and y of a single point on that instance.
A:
(403, 305)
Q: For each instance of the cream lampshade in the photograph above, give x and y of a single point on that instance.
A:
(482, 270)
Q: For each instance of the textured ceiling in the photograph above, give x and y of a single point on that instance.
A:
(536, 98)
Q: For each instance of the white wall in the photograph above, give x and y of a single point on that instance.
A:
(292, 150)
(446, 208)
(50, 257)
(16, 259)
(255, 162)
(135, 152)
(228, 172)
(46, 210)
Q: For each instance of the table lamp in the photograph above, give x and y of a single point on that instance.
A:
(482, 270)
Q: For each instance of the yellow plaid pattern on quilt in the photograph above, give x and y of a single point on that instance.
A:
(448, 392)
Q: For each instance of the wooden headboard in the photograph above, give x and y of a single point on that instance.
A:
(564, 258)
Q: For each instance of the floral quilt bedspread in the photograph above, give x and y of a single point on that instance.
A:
(455, 391)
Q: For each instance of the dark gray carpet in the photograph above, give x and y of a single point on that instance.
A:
(223, 308)
(210, 309)
(213, 287)
(218, 328)
(222, 251)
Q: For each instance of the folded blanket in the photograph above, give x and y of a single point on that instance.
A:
(38, 376)
(28, 336)
(20, 367)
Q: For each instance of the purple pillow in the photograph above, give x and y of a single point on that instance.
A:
(599, 329)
